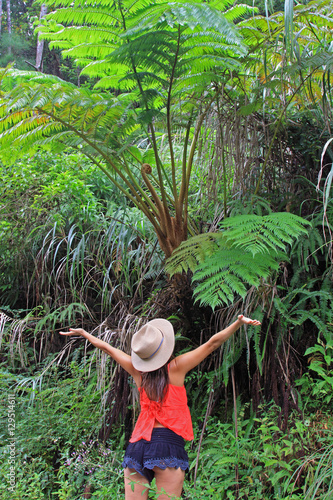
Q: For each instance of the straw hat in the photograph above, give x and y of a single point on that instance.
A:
(152, 345)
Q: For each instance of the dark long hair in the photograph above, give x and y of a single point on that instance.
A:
(156, 383)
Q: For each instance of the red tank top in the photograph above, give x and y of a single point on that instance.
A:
(172, 413)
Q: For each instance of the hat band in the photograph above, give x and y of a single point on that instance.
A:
(156, 349)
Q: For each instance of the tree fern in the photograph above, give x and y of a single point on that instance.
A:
(225, 264)
(89, 33)
(155, 53)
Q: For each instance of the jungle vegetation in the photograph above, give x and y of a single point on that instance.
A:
(167, 159)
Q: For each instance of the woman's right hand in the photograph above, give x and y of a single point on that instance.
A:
(74, 331)
(248, 321)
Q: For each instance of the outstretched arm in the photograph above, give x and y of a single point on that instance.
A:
(185, 362)
(119, 356)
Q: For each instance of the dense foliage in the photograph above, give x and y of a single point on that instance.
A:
(58, 453)
(202, 134)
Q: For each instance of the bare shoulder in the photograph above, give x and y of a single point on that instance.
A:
(137, 378)
(176, 375)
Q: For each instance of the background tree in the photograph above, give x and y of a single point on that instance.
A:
(0, 17)
(9, 24)
(23, 42)
(40, 43)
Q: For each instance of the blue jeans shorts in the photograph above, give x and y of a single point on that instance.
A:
(165, 449)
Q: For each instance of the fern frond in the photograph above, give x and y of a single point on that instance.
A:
(228, 274)
(292, 309)
(39, 110)
(225, 264)
(191, 253)
(237, 12)
(142, 33)
(255, 233)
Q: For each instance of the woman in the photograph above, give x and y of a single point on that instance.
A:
(156, 447)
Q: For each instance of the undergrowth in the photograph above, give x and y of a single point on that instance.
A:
(59, 455)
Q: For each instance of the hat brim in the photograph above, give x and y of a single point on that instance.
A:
(163, 354)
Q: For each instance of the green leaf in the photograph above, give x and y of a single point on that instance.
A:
(225, 264)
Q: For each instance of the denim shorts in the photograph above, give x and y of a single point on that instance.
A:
(165, 449)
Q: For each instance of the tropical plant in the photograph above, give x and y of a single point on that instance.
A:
(86, 275)
(243, 253)
(154, 55)
(289, 80)
(51, 201)
(317, 383)
(175, 66)
(261, 460)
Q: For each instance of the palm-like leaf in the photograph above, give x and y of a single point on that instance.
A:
(41, 108)
(145, 34)
(256, 234)
(224, 264)
(153, 52)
